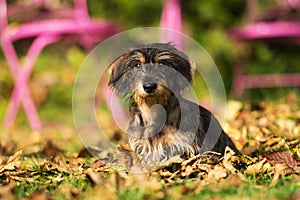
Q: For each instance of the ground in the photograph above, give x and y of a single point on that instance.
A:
(54, 164)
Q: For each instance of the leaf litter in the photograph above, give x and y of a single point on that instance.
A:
(267, 135)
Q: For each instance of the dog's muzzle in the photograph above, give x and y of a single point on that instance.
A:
(150, 87)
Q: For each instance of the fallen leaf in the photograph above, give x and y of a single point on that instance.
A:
(98, 164)
(185, 163)
(167, 163)
(227, 160)
(282, 157)
(280, 170)
(256, 168)
(95, 177)
(12, 163)
(217, 173)
(188, 171)
(165, 173)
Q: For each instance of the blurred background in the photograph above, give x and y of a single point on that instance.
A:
(208, 22)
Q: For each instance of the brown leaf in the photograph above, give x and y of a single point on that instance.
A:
(14, 173)
(22, 179)
(167, 163)
(165, 173)
(282, 157)
(227, 160)
(188, 171)
(185, 163)
(98, 164)
(280, 169)
(96, 178)
(204, 167)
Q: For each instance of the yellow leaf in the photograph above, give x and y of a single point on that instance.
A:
(256, 168)
(12, 163)
(272, 141)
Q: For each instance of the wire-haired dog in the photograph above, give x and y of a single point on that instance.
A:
(164, 124)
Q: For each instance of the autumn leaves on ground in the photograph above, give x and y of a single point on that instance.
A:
(54, 164)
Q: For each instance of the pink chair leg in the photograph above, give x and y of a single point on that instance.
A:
(29, 107)
(171, 19)
(20, 92)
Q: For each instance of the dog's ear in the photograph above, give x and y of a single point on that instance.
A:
(116, 70)
(118, 76)
(185, 67)
(182, 63)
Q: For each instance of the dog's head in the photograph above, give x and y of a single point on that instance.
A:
(151, 70)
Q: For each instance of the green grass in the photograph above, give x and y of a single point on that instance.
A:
(282, 190)
(40, 178)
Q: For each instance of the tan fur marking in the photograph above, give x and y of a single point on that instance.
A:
(144, 101)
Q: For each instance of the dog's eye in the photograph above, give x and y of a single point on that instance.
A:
(161, 63)
(137, 65)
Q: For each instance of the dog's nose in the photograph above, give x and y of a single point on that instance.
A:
(150, 87)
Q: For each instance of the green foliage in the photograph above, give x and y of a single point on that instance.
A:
(128, 14)
(208, 23)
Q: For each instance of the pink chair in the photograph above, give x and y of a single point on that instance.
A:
(44, 32)
(275, 24)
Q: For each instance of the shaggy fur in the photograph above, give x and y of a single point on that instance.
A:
(163, 124)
